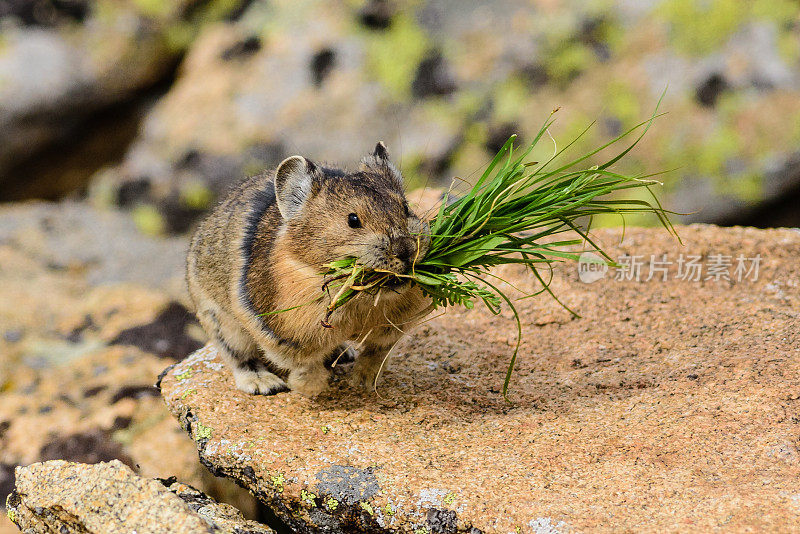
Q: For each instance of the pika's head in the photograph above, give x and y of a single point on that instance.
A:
(332, 214)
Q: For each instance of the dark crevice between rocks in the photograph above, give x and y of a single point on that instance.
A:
(265, 513)
(498, 134)
(534, 75)
(90, 447)
(273, 511)
(266, 516)
(242, 49)
(76, 334)
(121, 423)
(195, 498)
(45, 13)
(781, 209)
(93, 391)
(433, 77)
(166, 336)
(781, 212)
(377, 14)
(162, 374)
(102, 136)
(63, 168)
(593, 33)
(134, 392)
(322, 64)
(6, 481)
(711, 89)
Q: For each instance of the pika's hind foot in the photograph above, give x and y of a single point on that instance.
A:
(258, 382)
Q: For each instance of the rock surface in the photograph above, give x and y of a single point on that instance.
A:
(109, 498)
(670, 405)
(62, 63)
(92, 246)
(90, 313)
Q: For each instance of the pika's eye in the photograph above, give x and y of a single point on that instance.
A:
(353, 221)
(405, 207)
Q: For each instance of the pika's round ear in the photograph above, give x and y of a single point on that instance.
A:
(293, 179)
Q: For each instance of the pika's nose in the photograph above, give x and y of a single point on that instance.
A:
(404, 249)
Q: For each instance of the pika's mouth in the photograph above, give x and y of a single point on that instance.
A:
(394, 282)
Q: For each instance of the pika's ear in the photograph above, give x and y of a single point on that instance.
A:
(380, 159)
(380, 151)
(293, 180)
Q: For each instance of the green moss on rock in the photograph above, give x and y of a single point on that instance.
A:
(698, 28)
(393, 55)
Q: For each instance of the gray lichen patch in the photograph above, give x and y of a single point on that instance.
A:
(348, 484)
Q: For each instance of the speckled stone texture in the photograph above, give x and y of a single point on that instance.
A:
(90, 314)
(445, 83)
(108, 498)
(668, 406)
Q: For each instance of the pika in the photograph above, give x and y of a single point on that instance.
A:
(256, 270)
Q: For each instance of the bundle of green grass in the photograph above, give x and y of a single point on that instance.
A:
(517, 212)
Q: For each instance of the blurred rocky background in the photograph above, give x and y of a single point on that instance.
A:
(157, 107)
(123, 121)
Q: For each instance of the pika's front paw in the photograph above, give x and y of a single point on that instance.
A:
(365, 375)
(259, 382)
(309, 383)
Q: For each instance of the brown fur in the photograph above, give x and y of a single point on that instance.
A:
(264, 249)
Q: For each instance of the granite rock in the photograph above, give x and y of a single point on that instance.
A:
(63, 64)
(439, 81)
(669, 405)
(338, 92)
(89, 309)
(107, 498)
(94, 246)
